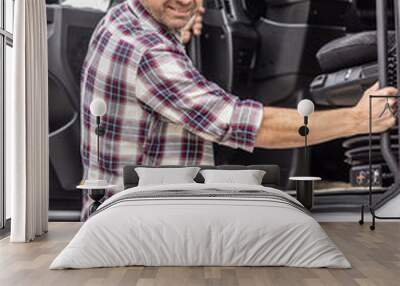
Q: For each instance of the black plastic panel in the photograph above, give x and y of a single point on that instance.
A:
(236, 43)
(69, 31)
(313, 12)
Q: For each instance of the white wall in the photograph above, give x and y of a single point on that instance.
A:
(95, 4)
(391, 208)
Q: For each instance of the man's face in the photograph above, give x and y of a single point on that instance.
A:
(174, 14)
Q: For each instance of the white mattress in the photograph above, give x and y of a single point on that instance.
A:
(191, 231)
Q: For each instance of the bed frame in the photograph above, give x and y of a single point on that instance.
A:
(270, 179)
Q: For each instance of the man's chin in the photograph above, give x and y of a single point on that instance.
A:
(177, 24)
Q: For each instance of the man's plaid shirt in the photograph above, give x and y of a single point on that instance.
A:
(160, 109)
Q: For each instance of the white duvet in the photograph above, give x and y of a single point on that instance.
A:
(200, 231)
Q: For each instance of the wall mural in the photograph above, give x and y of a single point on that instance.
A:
(273, 53)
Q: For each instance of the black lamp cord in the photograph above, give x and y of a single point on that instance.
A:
(303, 131)
(99, 132)
(98, 138)
(305, 140)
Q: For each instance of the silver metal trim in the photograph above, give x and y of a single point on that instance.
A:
(6, 34)
(293, 25)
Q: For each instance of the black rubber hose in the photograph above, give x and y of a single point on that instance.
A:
(388, 155)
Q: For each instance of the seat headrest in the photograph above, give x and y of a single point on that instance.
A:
(351, 50)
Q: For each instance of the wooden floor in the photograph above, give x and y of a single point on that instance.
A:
(375, 257)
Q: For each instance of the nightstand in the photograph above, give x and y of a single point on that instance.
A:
(305, 190)
(97, 190)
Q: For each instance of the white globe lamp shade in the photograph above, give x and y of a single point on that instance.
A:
(98, 107)
(305, 107)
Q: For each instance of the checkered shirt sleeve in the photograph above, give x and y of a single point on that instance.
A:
(168, 83)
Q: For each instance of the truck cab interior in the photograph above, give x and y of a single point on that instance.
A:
(275, 51)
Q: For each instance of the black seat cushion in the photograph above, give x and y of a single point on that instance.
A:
(351, 50)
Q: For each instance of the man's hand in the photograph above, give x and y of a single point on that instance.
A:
(380, 122)
(194, 26)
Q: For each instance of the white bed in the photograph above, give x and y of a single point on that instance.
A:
(225, 225)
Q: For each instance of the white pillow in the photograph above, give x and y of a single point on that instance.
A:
(166, 176)
(248, 177)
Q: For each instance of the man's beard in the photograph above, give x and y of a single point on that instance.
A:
(158, 16)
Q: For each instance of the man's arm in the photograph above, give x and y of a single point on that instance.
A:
(279, 128)
(169, 84)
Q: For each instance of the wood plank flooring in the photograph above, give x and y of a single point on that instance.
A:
(375, 257)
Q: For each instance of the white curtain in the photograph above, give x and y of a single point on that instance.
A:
(27, 124)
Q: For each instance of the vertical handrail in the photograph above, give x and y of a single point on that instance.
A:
(382, 36)
(397, 30)
(381, 42)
